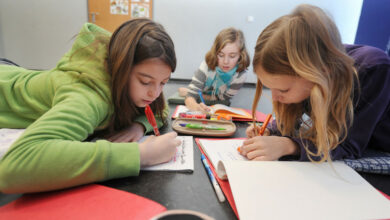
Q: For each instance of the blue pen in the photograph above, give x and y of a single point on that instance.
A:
(201, 96)
(217, 189)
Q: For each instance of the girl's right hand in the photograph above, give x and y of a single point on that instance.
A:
(158, 149)
(204, 108)
(252, 132)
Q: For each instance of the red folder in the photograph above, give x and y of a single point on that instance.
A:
(86, 202)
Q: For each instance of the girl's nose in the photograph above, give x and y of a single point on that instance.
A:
(226, 60)
(275, 96)
(154, 92)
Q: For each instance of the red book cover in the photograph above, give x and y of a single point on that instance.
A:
(85, 202)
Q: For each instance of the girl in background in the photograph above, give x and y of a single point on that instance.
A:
(102, 84)
(222, 73)
(331, 101)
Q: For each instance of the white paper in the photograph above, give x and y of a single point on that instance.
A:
(221, 150)
(7, 138)
(183, 159)
(303, 190)
(216, 107)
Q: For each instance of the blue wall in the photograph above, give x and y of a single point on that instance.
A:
(374, 24)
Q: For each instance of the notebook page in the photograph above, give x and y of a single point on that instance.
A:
(7, 138)
(183, 159)
(221, 150)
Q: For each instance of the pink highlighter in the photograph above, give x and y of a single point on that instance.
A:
(152, 121)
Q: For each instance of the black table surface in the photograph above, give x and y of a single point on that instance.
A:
(193, 191)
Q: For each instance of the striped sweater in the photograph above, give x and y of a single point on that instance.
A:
(203, 73)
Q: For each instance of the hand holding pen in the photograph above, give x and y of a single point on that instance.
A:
(254, 131)
(202, 104)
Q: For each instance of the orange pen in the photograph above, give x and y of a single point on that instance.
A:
(152, 121)
(264, 126)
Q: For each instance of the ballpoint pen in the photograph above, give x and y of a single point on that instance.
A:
(152, 121)
(199, 126)
(217, 189)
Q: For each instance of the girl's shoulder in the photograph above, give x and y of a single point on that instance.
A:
(204, 67)
(367, 56)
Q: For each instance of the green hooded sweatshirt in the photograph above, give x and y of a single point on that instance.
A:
(59, 109)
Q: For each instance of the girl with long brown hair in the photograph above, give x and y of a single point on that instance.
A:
(331, 101)
(102, 84)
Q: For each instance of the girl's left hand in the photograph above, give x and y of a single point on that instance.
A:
(267, 148)
(131, 134)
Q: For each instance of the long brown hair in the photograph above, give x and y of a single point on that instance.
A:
(228, 35)
(134, 41)
(307, 44)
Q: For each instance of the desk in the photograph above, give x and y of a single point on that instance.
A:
(176, 190)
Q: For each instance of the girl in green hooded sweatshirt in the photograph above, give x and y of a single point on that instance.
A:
(100, 86)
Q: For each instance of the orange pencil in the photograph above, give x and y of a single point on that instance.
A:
(264, 126)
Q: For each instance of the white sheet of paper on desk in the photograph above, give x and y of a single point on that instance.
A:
(183, 159)
(303, 190)
(7, 138)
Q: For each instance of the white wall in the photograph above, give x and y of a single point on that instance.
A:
(193, 24)
(36, 33)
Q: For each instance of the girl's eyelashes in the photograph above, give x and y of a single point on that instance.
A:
(147, 83)
(284, 91)
(144, 83)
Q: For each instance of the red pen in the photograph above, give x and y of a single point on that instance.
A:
(152, 121)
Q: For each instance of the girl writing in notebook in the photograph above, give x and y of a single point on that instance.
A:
(221, 74)
(103, 83)
(331, 101)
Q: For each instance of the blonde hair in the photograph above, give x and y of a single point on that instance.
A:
(228, 35)
(307, 44)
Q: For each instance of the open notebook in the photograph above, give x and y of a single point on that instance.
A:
(285, 190)
(237, 114)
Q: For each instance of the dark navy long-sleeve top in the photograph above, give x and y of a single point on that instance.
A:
(371, 123)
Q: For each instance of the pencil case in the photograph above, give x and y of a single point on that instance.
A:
(204, 127)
